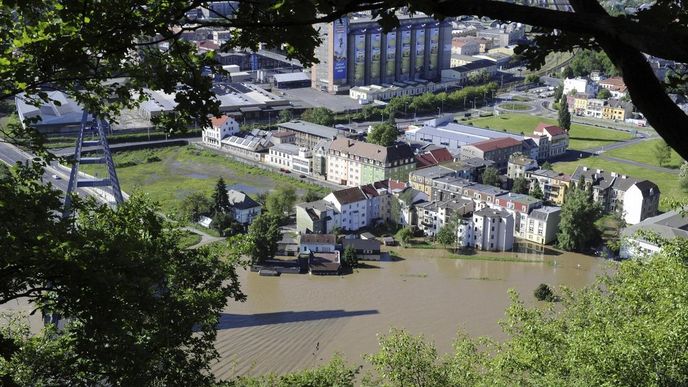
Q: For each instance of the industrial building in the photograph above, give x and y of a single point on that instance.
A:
(356, 52)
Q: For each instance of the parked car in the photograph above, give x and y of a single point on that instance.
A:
(56, 177)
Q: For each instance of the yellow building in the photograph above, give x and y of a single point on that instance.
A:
(580, 104)
(617, 110)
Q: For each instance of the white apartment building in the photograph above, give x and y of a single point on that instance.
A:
(432, 216)
(488, 229)
(219, 129)
(542, 225)
(581, 85)
(290, 157)
(243, 208)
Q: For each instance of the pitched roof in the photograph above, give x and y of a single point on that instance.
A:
(372, 151)
(433, 157)
(647, 188)
(240, 200)
(322, 239)
(362, 244)
(219, 121)
(286, 133)
(614, 83)
(553, 130)
(496, 143)
(349, 195)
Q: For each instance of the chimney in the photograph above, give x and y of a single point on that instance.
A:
(585, 168)
(614, 174)
(600, 171)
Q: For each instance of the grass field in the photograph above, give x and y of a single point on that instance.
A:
(581, 136)
(188, 239)
(514, 106)
(644, 153)
(184, 169)
(667, 182)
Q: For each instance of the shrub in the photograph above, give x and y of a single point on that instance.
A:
(544, 293)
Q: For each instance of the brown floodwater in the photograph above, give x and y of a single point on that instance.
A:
(297, 321)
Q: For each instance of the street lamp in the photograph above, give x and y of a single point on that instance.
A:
(439, 111)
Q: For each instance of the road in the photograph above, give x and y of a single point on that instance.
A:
(10, 154)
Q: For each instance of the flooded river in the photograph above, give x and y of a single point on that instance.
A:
(296, 321)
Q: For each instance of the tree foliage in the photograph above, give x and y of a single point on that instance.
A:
(384, 134)
(536, 191)
(603, 334)
(319, 115)
(350, 257)
(404, 235)
(586, 61)
(195, 205)
(311, 195)
(335, 373)
(604, 94)
(521, 185)
(683, 177)
(263, 235)
(141, 309)
(577, 229)
(564, 115)
(491, 176)
(281, 201)
(662, 152)
(447, 235)
(544, 293)
(220, 197)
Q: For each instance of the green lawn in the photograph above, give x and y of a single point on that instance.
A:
(581, 136)
(667, 182)
(644, 153)
(188, 239)
(182, 170)
(514, 106)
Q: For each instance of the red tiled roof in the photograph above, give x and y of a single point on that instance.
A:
(553, 130)
(433, 157)
(219, 121)
(496, 143)
(369, 190)
(614, 83)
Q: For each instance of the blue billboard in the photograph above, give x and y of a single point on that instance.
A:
(339, 32)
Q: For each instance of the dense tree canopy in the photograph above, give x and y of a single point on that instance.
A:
(141, 309)
(103, 40)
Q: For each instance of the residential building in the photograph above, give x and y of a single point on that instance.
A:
(324, 263)
(432, 216)
(594, 107)
(307, 134)
(503, 35)
(580, 85)
(408, 199)
(487, 229)
(356, 52)
(242, 208)
(302, 163)
(636, 199)
(518, 165)
(482, 195)
(220, 128)
(552, 184)
(285, 137)
(448, 188)
(498, 150)
(253, 146)
(615, 85)
(319, 159)
(642, 238)
(465, 46)
(351, 162)
(617, 110)
(433, 156)
(386, 92)
(443, 131)
(349, 209)
(366, 249)
(318, 217)
(421, 179)
(519, 205)
(317, 243)
(462, 74)
(542, 225)
(558, 139)
(352, 205)
(578, 103)
(280, 155)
